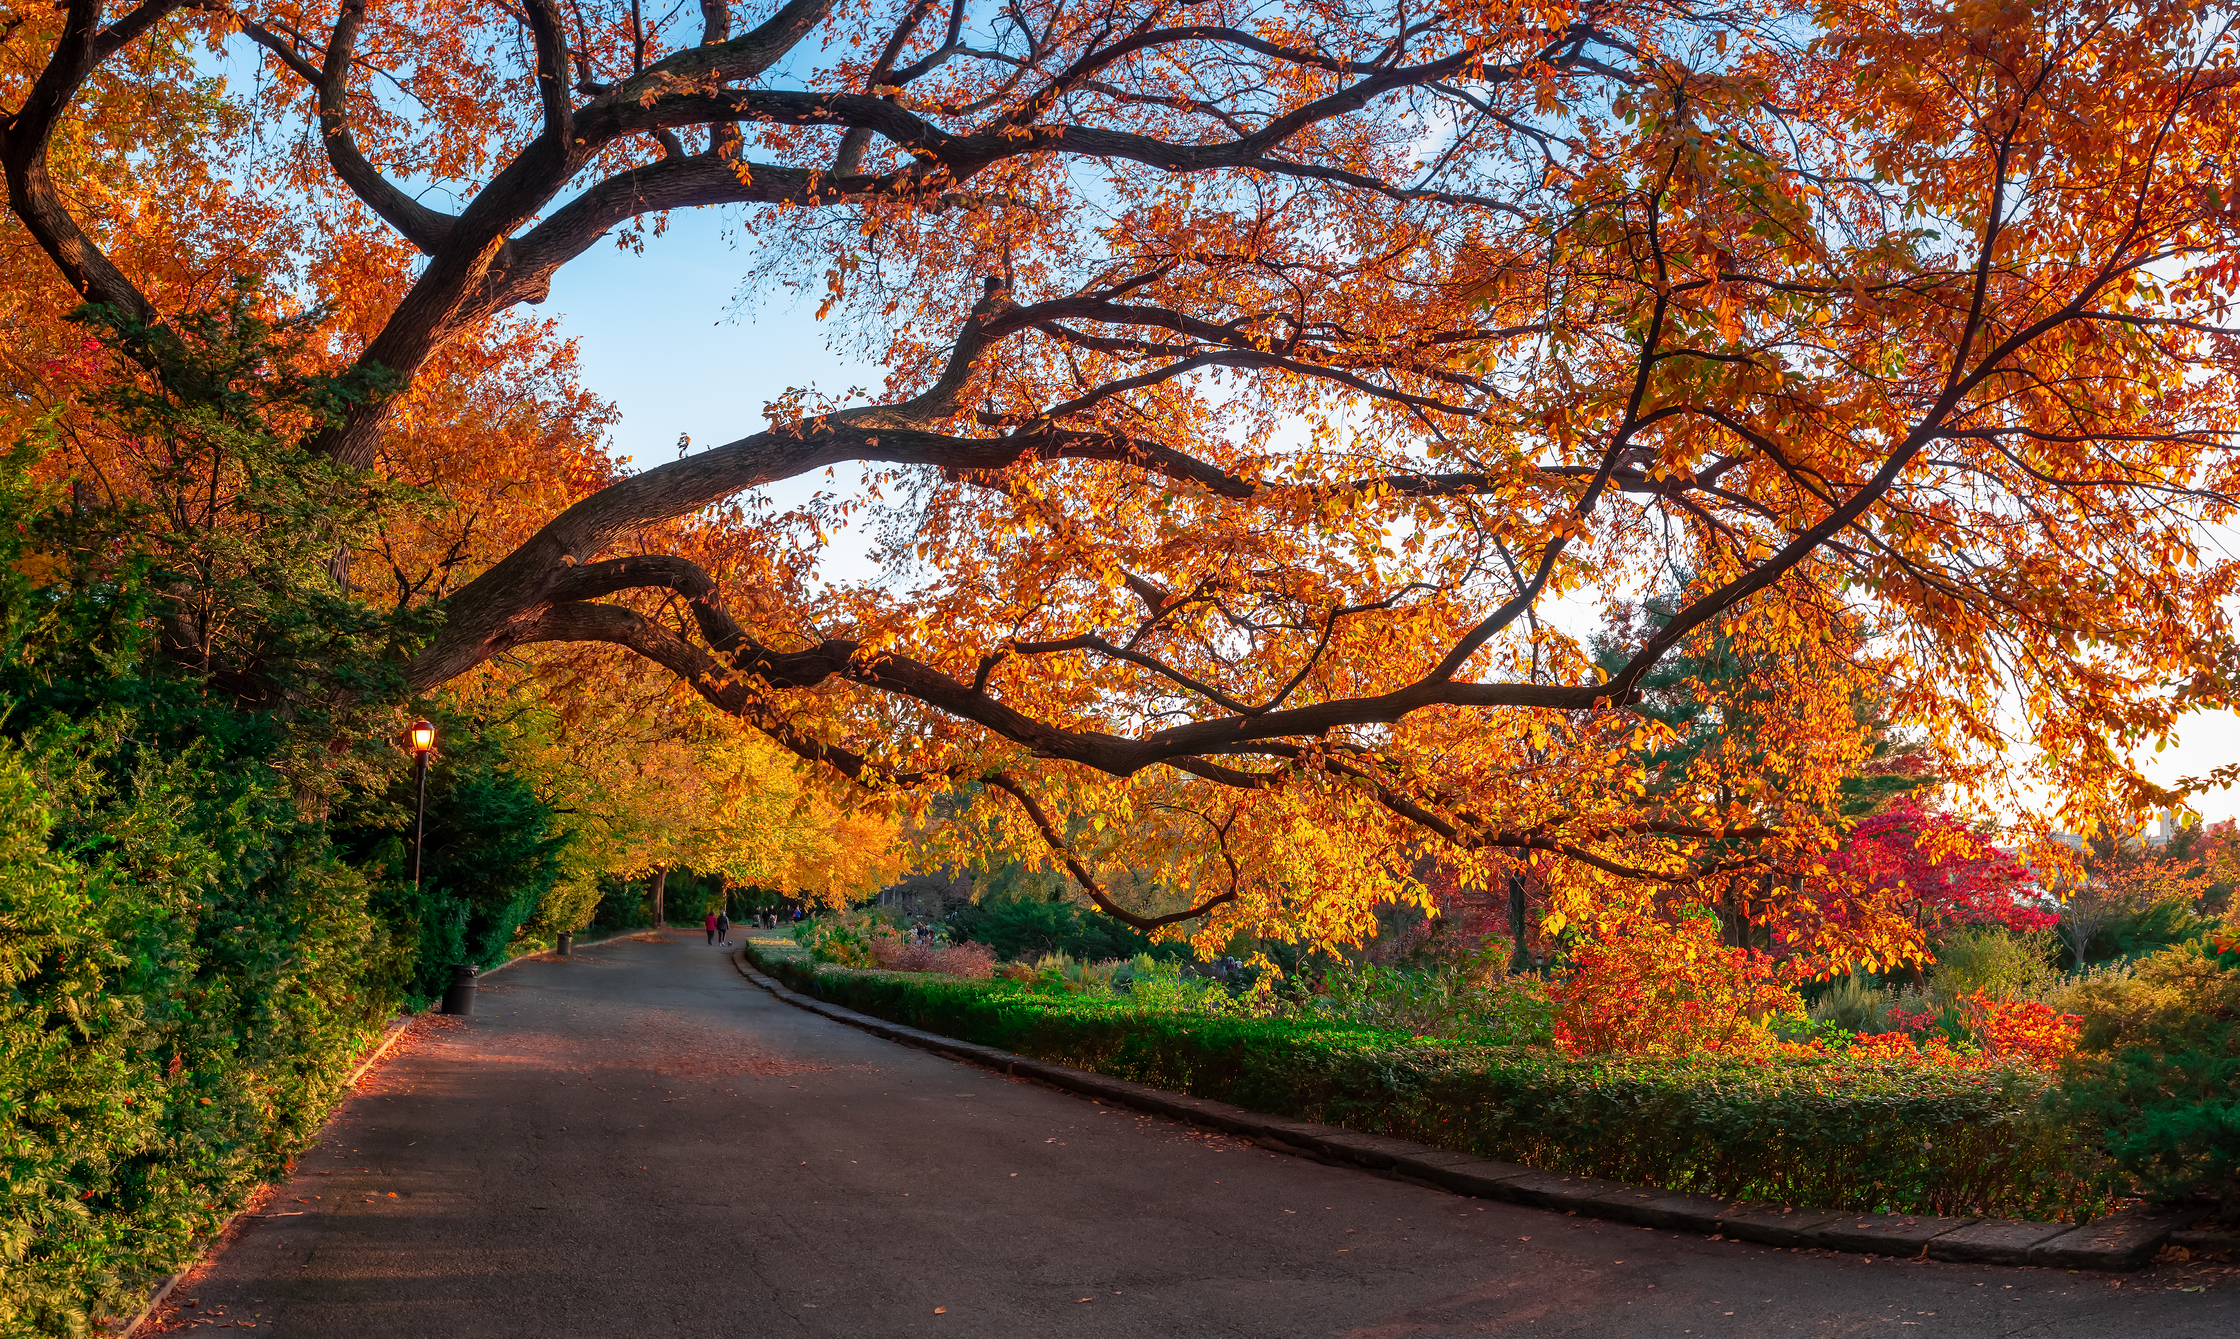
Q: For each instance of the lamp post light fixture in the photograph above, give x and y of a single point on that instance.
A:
(422, 737)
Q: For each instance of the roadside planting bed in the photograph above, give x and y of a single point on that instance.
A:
(1875, 1135)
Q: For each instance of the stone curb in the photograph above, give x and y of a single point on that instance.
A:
(2121, 1241)
(389, 1038)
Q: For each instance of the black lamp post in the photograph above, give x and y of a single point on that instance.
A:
(422, 736)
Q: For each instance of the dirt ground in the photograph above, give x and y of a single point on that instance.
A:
(636, 1141)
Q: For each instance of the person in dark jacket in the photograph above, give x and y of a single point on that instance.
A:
(723, 929)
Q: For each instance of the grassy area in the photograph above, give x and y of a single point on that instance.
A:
(1829, 1131)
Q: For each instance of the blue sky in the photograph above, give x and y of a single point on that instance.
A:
(661, 336)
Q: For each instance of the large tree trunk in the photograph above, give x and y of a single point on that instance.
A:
(660, 885)
(1734, 921)
(1519, 960)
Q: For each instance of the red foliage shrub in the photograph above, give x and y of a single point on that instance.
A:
(974, 961)
(2022, 1030)
(1901, 1047)
(1649, 988)
(898, 955)
(1901, 1021)
(1931, 867)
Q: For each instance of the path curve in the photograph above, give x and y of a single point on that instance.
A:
(636, 1140)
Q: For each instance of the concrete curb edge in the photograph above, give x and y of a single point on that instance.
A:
(2122, 1241)
(389, 1038)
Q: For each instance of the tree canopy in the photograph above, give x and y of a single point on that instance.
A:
(1261, 381)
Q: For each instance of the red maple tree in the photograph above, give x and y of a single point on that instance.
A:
(1933, 869)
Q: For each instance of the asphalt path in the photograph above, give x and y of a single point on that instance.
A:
(637, 1141)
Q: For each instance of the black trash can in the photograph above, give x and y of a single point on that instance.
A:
(567, 942)
(459, 999)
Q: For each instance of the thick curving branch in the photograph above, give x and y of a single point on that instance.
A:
(741, 655)
(425, 228)
(729, 690)
(26, 134)
(477, 265)
(1063, 849)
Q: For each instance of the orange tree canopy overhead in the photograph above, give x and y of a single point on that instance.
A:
(1259, 376)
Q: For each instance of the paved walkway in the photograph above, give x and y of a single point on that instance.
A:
(635, 1141)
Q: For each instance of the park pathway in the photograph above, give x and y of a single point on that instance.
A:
(637, 1142)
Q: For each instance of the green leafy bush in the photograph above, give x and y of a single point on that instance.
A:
(1838, 1132)
(1161, 986)
(2157, 1075)
(1464, 1002)
(2005, 964)
(184, 969)
(1026, 927)
(189, 961)
(844, 940)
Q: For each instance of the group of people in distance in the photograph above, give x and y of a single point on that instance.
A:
(719, 924)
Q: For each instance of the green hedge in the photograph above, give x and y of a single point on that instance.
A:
(1837, 1133)
(182, 970)
(204, 906)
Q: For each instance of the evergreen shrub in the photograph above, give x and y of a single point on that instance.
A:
(187, 969)
(2156, 1079)
(1025, 925)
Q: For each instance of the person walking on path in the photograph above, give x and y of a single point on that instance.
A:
(711, 924)
(723, 929)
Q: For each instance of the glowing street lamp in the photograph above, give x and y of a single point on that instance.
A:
(422, 737)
